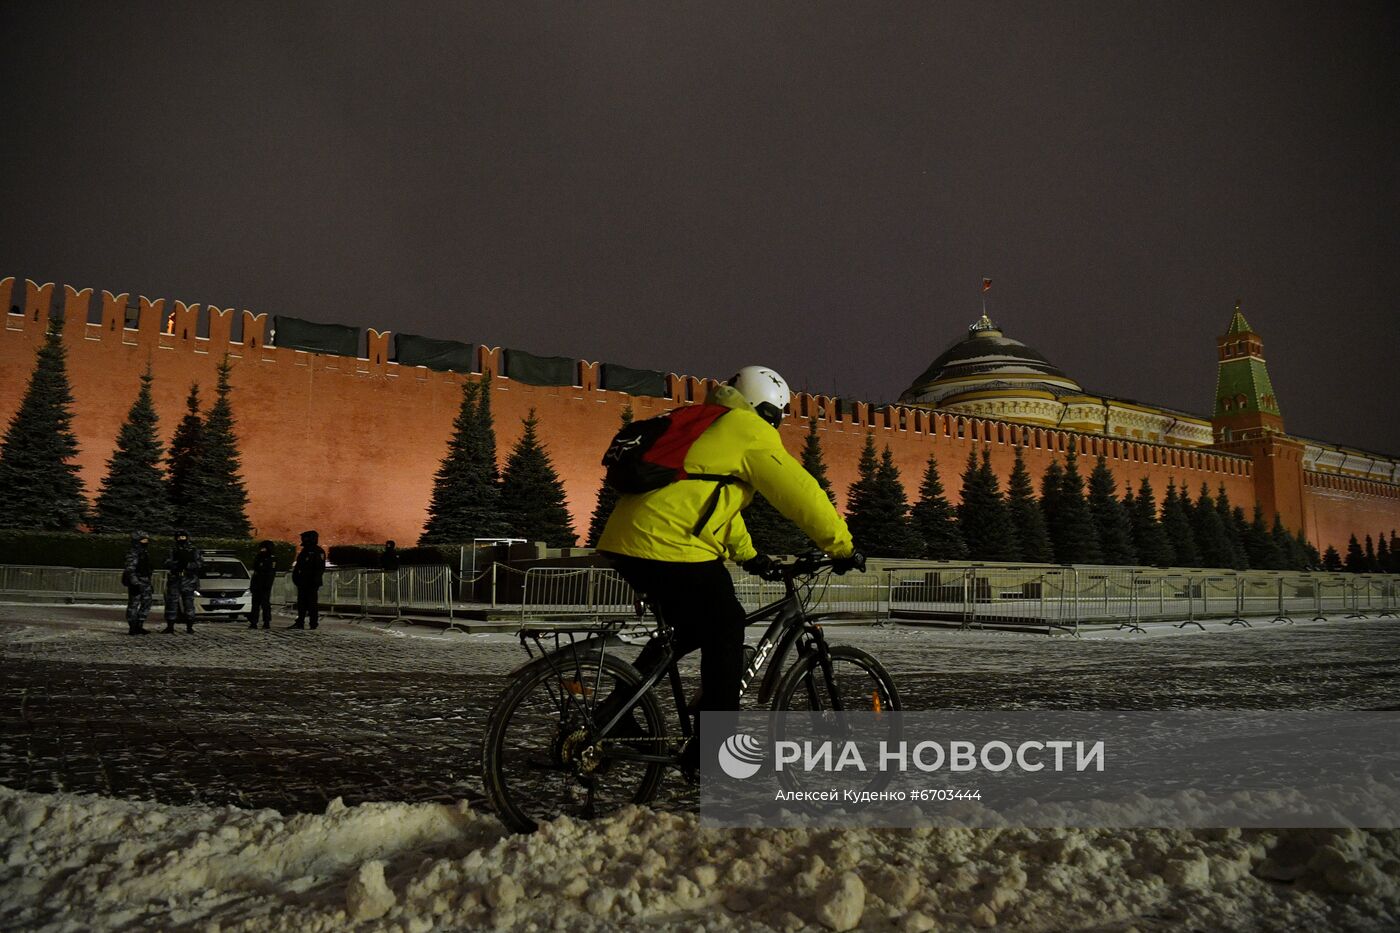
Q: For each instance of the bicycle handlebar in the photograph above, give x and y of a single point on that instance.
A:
(802, 565)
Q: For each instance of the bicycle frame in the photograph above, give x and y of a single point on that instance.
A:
(788, 625)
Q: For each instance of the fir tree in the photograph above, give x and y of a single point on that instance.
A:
(1259, 544)
(466, 501)
(532, 497)
(934, 519)
(1290, 546)
(1149, 537)
(39, 484)
(1210, 532)
(860, 498)
(813, 462)
(1027, 519)
(607, 496)
(218, 501)
(1072, 530)
(878, 512)
(1050, 484)
(1233, 533)
(1112, 523)
(186, 449)
(1370, 555)
(1176, 523)
(1382, 555)
(1239, 528)
(1331, 560)
(1394, 565)
(134, 495)
(982, 516)
(1356, 558)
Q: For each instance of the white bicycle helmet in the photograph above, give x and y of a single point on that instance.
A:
(765, 390)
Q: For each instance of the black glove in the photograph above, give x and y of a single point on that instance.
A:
(846, 564)
(759, 564)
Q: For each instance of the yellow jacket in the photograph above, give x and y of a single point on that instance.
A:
(660, 524)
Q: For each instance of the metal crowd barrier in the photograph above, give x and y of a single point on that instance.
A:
(574, 593)
(1062, 598)
(1052, 598)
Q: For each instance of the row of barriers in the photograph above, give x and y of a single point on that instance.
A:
(1063, 598)
(1049, 598)
(1052, 598)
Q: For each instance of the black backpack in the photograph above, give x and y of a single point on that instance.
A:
(650, 454)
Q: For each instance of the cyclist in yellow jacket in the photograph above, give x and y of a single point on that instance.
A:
(656, 546)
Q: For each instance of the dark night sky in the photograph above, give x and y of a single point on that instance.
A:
(693, 187)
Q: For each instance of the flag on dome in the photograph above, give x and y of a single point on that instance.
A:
(986, 284)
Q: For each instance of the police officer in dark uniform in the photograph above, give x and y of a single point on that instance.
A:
(136, 577)
(182, 579)
(264, 572)
(307, 572)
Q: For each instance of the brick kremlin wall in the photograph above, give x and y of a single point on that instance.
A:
(349, 446)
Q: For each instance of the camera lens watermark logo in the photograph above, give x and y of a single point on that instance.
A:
(741, 756)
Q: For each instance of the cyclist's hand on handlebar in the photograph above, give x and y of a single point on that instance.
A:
(760, 565)
(846, 564)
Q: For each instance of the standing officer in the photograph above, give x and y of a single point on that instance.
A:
(182, 579)
(136, 577)
(307, 571)
(264, 572)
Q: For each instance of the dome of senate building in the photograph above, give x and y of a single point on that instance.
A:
(985, 366)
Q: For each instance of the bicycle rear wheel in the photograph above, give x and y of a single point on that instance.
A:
(541, 759)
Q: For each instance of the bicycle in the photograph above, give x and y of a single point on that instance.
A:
(549, 749)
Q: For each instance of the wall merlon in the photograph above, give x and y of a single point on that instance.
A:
(184, 323)
(377, 349)
(150, 316)
(220, 329)
(588, 375)
(489, 360)
(113, 314)
(76, 307)
(254, 331)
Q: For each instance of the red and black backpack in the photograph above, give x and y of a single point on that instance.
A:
(650, 454)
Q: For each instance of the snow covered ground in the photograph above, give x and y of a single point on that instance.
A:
(119, 758)
(83, 863)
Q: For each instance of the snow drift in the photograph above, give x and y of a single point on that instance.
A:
(75, 863)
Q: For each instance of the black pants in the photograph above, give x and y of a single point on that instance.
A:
(699, 603)
(307, 609)
(262, 603)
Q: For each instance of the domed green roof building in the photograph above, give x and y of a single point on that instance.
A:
(987, 374)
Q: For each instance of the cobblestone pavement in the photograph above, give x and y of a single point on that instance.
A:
(290, 719)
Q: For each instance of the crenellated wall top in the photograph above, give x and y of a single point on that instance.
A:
(163, 325)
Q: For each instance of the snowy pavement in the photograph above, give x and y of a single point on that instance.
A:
(294, 719)
(120, 756)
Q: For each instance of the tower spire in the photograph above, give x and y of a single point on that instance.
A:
(1244, 395)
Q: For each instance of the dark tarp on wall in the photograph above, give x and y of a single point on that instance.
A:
(616, 378)
(540, 370)
(442, 355)
(334, 339)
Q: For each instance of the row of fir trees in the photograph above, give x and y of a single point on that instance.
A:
(474, 499)
(196, 484)
(1070, 521)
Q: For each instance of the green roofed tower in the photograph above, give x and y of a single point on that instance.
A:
(1244, 396)
(1248, 422)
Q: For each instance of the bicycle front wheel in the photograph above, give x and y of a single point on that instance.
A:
(541, 757)
(855, 683)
